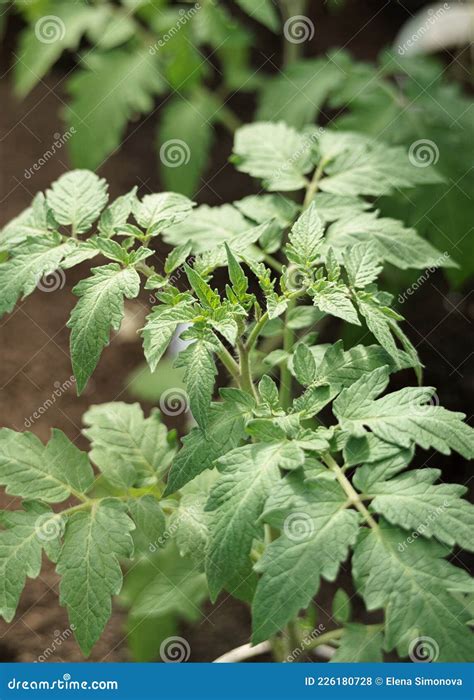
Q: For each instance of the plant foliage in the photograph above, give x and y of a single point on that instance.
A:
(301, 462)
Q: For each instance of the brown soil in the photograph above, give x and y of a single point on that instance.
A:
(34, 339)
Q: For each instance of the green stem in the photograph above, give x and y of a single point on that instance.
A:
(246, 371)
(326, 637)
(285, 374)
(255, 332)
(229, 363)
(314, 184)
(349, 490)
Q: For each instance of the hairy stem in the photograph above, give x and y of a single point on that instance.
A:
(246, 381)
(349, 490)
(229, 363)
(285, 374)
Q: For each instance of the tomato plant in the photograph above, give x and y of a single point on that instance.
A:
(299, 460)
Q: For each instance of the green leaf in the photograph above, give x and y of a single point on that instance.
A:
(334, 299)
(43, 42)
(275, 153)
(36, 220)
(359, 644)
(264, 207)
(381, 321)
(297, 93)
(341, 606)
(332, 207)
(340, 367)
(184, 140)
(387, 238)
(150, 522)
(413, 584)
(157, 212)
(413, 502)
(102, 101)
(166, 584)
(362, 265)
(199, 377)
(160, 327)
(201, 448)
(94, 543)
(263, 11)
(99, 309)
(129, 449)
(21, 543)
(50, 473)
(370, 168)
(305, 237)
(30, 261)
(208, 297)
(177, 257)
(207, 227)
(317, 531)
(116, 215)
(77, 198)
(237, 276)
(402, 417)
(304, 365)
(236, 502)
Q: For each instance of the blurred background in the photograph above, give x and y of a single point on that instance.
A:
(149, 94)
